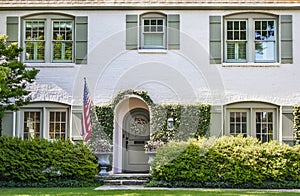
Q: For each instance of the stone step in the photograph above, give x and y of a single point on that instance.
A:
(125, 179)
(125, 182)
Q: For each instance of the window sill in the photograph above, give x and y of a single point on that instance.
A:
(251, 64)
(50, 65)
(152, 51)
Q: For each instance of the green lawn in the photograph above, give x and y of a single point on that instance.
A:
(90, 191)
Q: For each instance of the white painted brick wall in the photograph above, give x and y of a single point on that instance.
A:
(183, 76)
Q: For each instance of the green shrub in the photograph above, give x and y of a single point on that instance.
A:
(231, 160)
(41, 161)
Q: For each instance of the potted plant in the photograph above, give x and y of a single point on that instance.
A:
(151, 147)
(102, 149)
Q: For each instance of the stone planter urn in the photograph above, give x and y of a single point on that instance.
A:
(151, 155)
(103, 161)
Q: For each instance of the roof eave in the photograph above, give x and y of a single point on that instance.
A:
(293, 6)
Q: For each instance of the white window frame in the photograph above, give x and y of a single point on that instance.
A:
(47, 135)
(153, 16)
(252, 108)
(229, 111)
(63, 41)
(48, 37)
(250, 43)
(274, 123)
(23, 122)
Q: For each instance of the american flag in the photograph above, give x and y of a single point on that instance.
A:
(86, 121)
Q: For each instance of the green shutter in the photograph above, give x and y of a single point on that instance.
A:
(12, 29)
(215, 40)
(173, 32)
(131, 32)
(81, 39)
(286, 39)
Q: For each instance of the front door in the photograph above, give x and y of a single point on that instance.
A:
(135, 134)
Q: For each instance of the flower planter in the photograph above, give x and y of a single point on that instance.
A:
(103, 161)
(151, 155)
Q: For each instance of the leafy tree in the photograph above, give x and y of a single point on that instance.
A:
(14, 78)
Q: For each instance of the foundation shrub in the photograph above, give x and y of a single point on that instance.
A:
(230, 160)
(41, 161)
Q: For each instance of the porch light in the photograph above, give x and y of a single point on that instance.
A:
(170, 123)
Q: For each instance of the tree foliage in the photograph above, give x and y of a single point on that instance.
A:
(14, 77)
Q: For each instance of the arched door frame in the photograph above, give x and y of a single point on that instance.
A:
(128, 103)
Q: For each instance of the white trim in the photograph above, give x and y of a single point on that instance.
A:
(121, 109)
(152, 51)
(251, 64)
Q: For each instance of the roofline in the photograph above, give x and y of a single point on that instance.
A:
(290, 6)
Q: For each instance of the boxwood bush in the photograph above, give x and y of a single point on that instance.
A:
(230, 160)
(41, 161)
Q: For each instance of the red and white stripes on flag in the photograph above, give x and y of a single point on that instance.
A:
(86, 110)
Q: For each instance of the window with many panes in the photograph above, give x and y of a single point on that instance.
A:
(238, 123)
(32, 124)
(251, 38)
(153, 35)
(252, 118)
(35, 40)
(48, 39)
(264, 126)
(57, 125)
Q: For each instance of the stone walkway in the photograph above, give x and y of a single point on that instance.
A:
(141, 187)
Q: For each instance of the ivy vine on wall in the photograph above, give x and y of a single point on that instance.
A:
(189, 120)
(143, 94)
(105, 115)
(296, 114)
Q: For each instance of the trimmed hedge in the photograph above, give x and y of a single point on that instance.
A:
(226, 160)
(41, 161)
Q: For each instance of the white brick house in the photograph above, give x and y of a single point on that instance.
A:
(239, 56)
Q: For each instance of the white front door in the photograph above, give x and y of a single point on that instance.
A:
(136, 132)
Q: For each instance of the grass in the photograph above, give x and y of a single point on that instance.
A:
(91, 191)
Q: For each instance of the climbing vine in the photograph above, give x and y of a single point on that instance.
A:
(189, 120)
(296, 114)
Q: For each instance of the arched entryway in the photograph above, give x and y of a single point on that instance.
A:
(131, 131)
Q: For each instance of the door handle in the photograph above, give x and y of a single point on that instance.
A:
(126, 146)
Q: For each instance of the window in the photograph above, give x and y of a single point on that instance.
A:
(62, 40)
(236, 40)
(32, 124)
(48, 36)
(153, 32)
(238, 123)
(57, 125)
(264, 126)
(51, 38)
(46, 120)
(251, 38)
(252, 118)
(35, 40)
